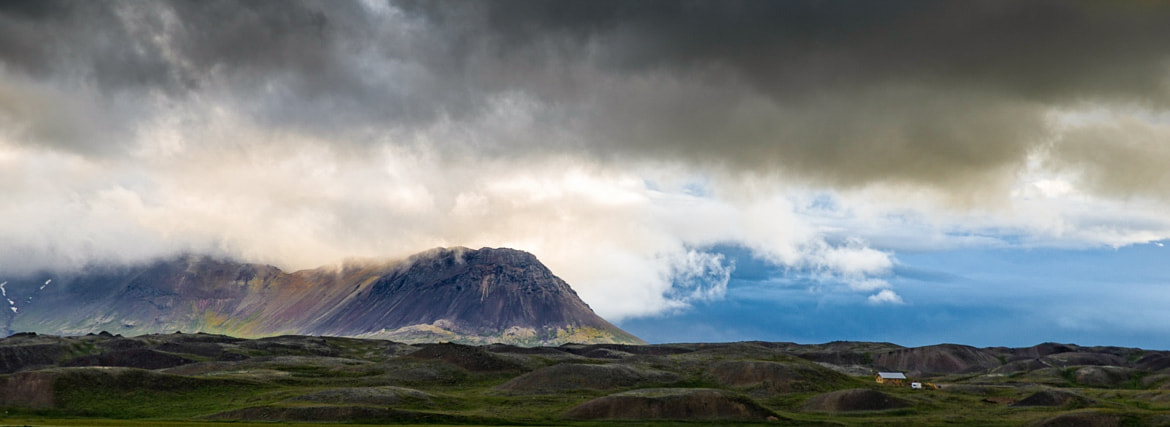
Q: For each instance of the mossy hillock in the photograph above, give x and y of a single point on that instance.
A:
(157, 379)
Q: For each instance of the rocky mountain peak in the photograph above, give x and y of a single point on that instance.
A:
(444, 294)
(469, 292)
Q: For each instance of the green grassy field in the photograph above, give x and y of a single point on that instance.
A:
(333, 381)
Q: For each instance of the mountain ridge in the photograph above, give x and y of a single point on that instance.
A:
(430, 296)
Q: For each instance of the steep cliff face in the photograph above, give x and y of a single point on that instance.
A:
(461, 295)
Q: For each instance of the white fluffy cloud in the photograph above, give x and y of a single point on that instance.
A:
(632, 243)
(631, 237)
(885, 296)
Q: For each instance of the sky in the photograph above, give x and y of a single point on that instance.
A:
(985, 173)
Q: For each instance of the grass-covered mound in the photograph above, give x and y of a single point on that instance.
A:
(200, 378)
(671, 404)
(858, 399)
(577, 376)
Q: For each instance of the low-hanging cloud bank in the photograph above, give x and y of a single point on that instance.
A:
(629, 249)
(617, 140)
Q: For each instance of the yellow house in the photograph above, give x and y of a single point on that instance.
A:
(891, 378)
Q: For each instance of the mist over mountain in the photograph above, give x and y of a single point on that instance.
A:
(457, 294)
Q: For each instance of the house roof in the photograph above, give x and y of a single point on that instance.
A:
(892, 375)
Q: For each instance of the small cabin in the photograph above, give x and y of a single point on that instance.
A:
(891, 378)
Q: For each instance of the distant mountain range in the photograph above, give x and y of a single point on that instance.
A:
(457, 295)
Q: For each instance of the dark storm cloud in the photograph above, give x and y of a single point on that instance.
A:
(950, 93)
(124, 45)
(946, 94)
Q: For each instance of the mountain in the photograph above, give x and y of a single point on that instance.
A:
(458, 295)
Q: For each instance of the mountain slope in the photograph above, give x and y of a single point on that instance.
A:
(479, 293)
(461, 295)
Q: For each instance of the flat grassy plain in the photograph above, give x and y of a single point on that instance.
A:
(210, 380)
